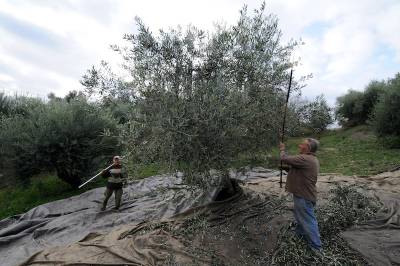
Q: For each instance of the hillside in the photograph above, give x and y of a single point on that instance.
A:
(354, 151)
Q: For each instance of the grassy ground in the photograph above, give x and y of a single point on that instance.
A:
(43, 189)
(354, 151)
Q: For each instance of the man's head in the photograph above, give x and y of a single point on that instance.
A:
(308, 145)
(117, 160)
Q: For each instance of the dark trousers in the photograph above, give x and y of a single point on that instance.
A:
(117, 193)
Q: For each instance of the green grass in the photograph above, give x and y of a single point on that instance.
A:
(354, 151)
(143, 171)
(43, 189)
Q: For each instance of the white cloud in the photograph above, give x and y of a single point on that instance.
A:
(6, 78)
(341, 54)
(388, 27)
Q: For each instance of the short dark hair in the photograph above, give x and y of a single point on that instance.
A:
(313, 144)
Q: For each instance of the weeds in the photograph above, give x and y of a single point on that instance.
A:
(43, 189)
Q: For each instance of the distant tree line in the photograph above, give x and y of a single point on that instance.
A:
(378, 105)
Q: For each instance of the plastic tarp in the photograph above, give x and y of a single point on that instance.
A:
(67, 221)
(378, 240)
(74, 232)
(164, 242)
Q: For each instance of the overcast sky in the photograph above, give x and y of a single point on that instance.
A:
(47, 45)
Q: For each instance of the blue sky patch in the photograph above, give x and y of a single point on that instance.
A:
(316, 29)
(386, 56)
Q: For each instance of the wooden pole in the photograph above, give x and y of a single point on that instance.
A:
(284, 121)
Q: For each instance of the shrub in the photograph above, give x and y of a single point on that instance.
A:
(390, 141)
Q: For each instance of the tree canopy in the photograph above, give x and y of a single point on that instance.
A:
(202, 98)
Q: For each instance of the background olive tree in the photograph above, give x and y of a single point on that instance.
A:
(317, 115)
(376, 106)
(386, 113)
(69, 136)
(308, 117)
(356, 107)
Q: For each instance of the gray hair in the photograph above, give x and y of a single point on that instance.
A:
(313, 144)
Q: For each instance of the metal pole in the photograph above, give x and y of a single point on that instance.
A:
(284, 121)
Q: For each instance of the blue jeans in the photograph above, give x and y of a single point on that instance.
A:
(307, 225)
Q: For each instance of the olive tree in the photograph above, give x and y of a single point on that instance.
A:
(386, 114)
(349, 108)
(355, 107)
(202, 98)
(318, 115)
(69, 137)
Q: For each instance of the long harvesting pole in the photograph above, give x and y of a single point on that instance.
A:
(96, 175)
(108, 167)
(284, 121)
